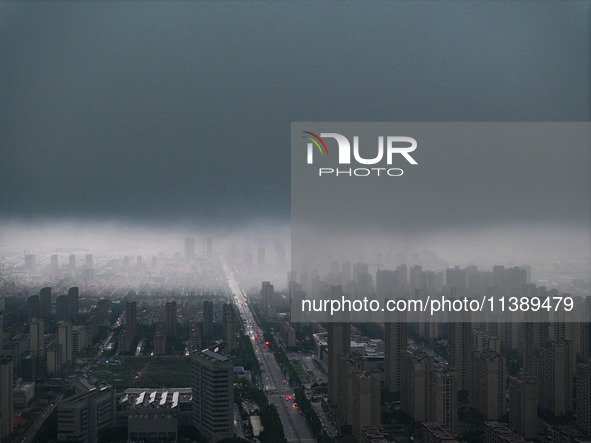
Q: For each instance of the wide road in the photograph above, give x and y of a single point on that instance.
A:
(275, 385)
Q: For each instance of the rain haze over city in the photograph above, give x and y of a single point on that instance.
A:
(149, 209)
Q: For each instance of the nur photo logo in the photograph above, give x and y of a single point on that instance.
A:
(389, 148)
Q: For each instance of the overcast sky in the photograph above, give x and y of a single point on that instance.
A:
(180, 111)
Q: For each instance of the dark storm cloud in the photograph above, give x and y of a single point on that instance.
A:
(166, 111)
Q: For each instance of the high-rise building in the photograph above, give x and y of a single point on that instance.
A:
(171, 323)
(33, 307)
(386, 283)
(460, 344)
(83, 415)
(160, 340)
(125, 341)
(45, 303)
(213, 395)
(415, 367)
(442, 396)
(62, 308)
(229, 326)
(53, 264)
(455, 277)
(37, 337)
(131, 317)
(360, 391)
(88, 262)
(268, 296)
(78, 339)
(6, 403)
(189, 248)
(207, 319)
(31, 262)
(510, 281)
(64, 343)
(52, 358)
(396, 344)
(339, 343)
(553, 370)
(487, 384)
(584, 397)
(73, 296)
(523, 405)
(194, 336)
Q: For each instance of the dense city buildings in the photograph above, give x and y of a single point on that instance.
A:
(429, 374)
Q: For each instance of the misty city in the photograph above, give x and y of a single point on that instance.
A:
(190, 253)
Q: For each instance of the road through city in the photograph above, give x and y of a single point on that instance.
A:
(274, 382)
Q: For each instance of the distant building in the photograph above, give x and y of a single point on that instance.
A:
(460, 344)
(64, 344)
(268, 297)
(30, 262)
(554, 373)
(131, 316)
(53, 264)
(171, 323)
(442, 396)
(52, 360)
(339, 344)
(487, 384)
(396, 344)
(523, 405)
(73, 296)
(33, 307)
(62, 308)
(189, 248)
(229, 326)
(37, 337)
(160, 340)
(288, 334)
(413, 398)
(45, 303)
(194, 336)
(213, 395)
(359, 391)
(208, 319)
(125, 341)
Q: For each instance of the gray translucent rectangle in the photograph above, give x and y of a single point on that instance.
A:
(495, 214)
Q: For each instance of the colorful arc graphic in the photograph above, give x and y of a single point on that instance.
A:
(315, 142)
